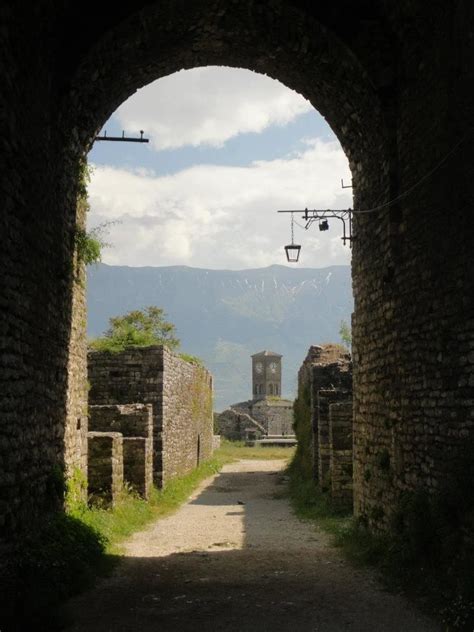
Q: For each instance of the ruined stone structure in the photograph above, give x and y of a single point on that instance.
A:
(267, 414)
(394, 80)
(105, 466)
(323, 420)
(180, 396)
(134, 423)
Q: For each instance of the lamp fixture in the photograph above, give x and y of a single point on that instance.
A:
(292, 250)
(322, 216)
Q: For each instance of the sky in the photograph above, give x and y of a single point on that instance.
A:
(228, 148)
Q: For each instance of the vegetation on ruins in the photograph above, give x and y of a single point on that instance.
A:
(64, 554)
(138, 328)
(345, 333)
(428, 550)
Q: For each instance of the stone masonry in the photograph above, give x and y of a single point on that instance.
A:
(180, 396)
(135, 423)
(394, 80)
(105, 466)
(340, 447)
(323, 420)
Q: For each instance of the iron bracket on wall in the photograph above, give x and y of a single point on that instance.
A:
(322, 216)
(123, 138)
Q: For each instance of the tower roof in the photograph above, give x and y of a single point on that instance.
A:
(266, 353)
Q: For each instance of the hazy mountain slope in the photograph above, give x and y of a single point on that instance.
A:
(224, 316)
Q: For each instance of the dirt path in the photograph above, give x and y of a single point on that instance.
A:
(235, 558)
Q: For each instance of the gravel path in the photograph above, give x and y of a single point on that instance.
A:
(234, 558)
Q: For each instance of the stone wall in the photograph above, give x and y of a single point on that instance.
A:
(180, 396)
(138, 464)
(324, 381)
(105, 466)
(394, 80)
(269, 416)
(134, 422)
(341, 457)
(131, 420)
(238, 425)
(187, 416)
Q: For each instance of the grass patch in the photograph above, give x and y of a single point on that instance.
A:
(234, 450)
(132, 513)
(311, 504)
(428, 551)
(65, 552)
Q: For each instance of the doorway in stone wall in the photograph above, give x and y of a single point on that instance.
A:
(193, 217)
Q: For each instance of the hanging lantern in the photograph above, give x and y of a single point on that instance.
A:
(292, 250)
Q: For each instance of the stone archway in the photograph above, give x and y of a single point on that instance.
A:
(384, 78)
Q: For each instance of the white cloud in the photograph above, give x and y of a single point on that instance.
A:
(222, 217)
(208, 106)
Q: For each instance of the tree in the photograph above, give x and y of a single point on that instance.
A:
(346, 334)
(138, 329)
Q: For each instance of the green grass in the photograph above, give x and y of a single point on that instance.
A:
(311, 504)
(234, 450)
(131, 513)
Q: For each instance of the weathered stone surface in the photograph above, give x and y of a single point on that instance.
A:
(178, 392)
(340, 443)
(324, 377)
(138, 464)
(394, 80)
(105, 466)
(131, 420)
(264, 417)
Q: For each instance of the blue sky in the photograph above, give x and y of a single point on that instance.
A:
(228, 147)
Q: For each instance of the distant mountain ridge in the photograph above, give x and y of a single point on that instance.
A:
(223, 316)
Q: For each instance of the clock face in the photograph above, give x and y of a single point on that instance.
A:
(273, 367)
(259, 367)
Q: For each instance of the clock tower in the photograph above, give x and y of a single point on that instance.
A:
(266, 375)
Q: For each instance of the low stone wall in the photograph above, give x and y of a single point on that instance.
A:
(216, 442)
(340, 443)
(237, 425)
(105, 465)
(269, 416)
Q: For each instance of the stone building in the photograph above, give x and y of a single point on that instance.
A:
(267, 415)
(180, 395)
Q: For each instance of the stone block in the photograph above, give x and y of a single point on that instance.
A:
(131, 420)
(105, 466)
(138, 464)
(340, 442)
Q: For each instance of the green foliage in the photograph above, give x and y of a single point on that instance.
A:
(89, 244)
(346, 334)
(137, 329)
(428, 549)
(84, 178)
(88, 247)
(192, 359)
(55, 559)
(76, 493)
(310, 503)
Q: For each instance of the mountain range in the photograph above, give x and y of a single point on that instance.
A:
(224, 316)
